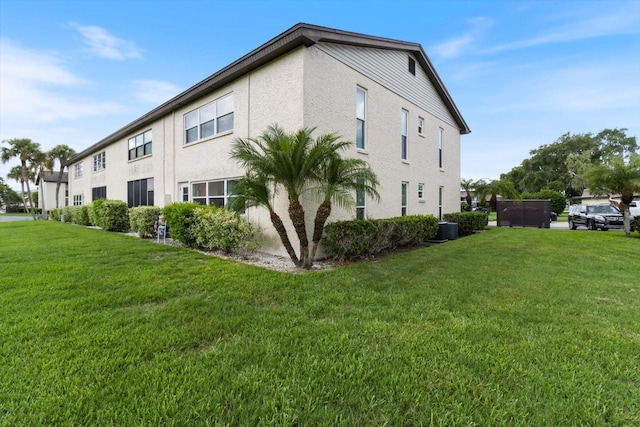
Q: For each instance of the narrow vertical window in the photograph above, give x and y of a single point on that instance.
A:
(420, 126)
(412, 66)
(421, 191)
(403, 137)
(404, 198)
(440, 137)
(360, 200)
(361, 113)
(440, 191)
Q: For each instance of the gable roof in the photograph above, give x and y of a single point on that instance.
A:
(53, 177)
(299, 35)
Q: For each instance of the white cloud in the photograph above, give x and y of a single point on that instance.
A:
(154, 92)
(465, 42)
(619, 22)
(105, 45)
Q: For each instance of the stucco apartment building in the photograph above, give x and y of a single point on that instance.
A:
(382, 94)
(47, 191)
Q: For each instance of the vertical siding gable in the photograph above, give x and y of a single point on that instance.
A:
(390, 69)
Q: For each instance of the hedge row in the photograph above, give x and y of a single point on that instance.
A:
(362, 238)
(468, 222)
(110, 215)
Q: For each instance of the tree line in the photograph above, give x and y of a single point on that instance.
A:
(33, 162)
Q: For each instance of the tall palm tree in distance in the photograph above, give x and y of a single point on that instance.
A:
(617, 177)
(61, 153)
(26, 151)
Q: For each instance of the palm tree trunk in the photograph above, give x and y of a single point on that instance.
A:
(296, 213)
(26, 179)
(58, 183)
(626, 220)
(322, 214)
(284, 238)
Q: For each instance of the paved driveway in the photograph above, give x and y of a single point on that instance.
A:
(9, 218)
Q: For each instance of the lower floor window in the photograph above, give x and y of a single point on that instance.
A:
(218, 193)
(440, 191)
(361, 201)
(98, 193)
(78, 199)
(140, 192)
(404, 198)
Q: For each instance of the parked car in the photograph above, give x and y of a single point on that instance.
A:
(603, 217)
(634, 208)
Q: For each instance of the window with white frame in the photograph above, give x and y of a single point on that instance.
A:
(440, 193)
(78, 170)
(361, 117)
(361, 200)
(218, 193)
(211, 119)
(421, 191)
(403, 139)
(420, 126)
(404, 198)
(78, 199)
(140, 145)
(440, 147)
(99, 162)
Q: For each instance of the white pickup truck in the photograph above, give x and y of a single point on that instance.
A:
(634, 208)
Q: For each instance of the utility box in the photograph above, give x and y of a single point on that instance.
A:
(446, 231)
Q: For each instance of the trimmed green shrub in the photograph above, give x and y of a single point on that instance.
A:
(111, 215)
(468, 222)
(179, 217)
(558, 201)
(221, 229)
(68, 212)
(81, 215)
(361, 238)
(142, 220)
(55, 214)
(93, 208)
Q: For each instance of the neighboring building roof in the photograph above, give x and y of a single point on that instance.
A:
(53, 177)
(298, 35)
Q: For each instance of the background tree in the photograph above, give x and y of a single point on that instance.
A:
(16, 174)
(555, 166)
(26, 151)
(7, 195)
(617, 177)
(493, 189)
(297, 163)
(61, 153)
(468, 186)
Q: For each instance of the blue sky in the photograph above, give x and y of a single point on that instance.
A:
(522, 73)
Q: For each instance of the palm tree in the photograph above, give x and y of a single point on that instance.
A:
(617, 177)
(27, 151)
(62, 153)
(467, 185)
(16, 173)
(503, 187)
(297, 163)
(339, 179)
(253, 191)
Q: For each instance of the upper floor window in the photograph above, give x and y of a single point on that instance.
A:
(99, 161)
(361, 113)
(140, 145)
(412, 66)
(78, 170)
(420, 126)
(403, 139)
(421, 191)
(440, 147)
(209, 120)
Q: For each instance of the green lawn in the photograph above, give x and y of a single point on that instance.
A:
(510, 327)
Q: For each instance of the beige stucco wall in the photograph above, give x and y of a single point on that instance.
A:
(306, 87)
